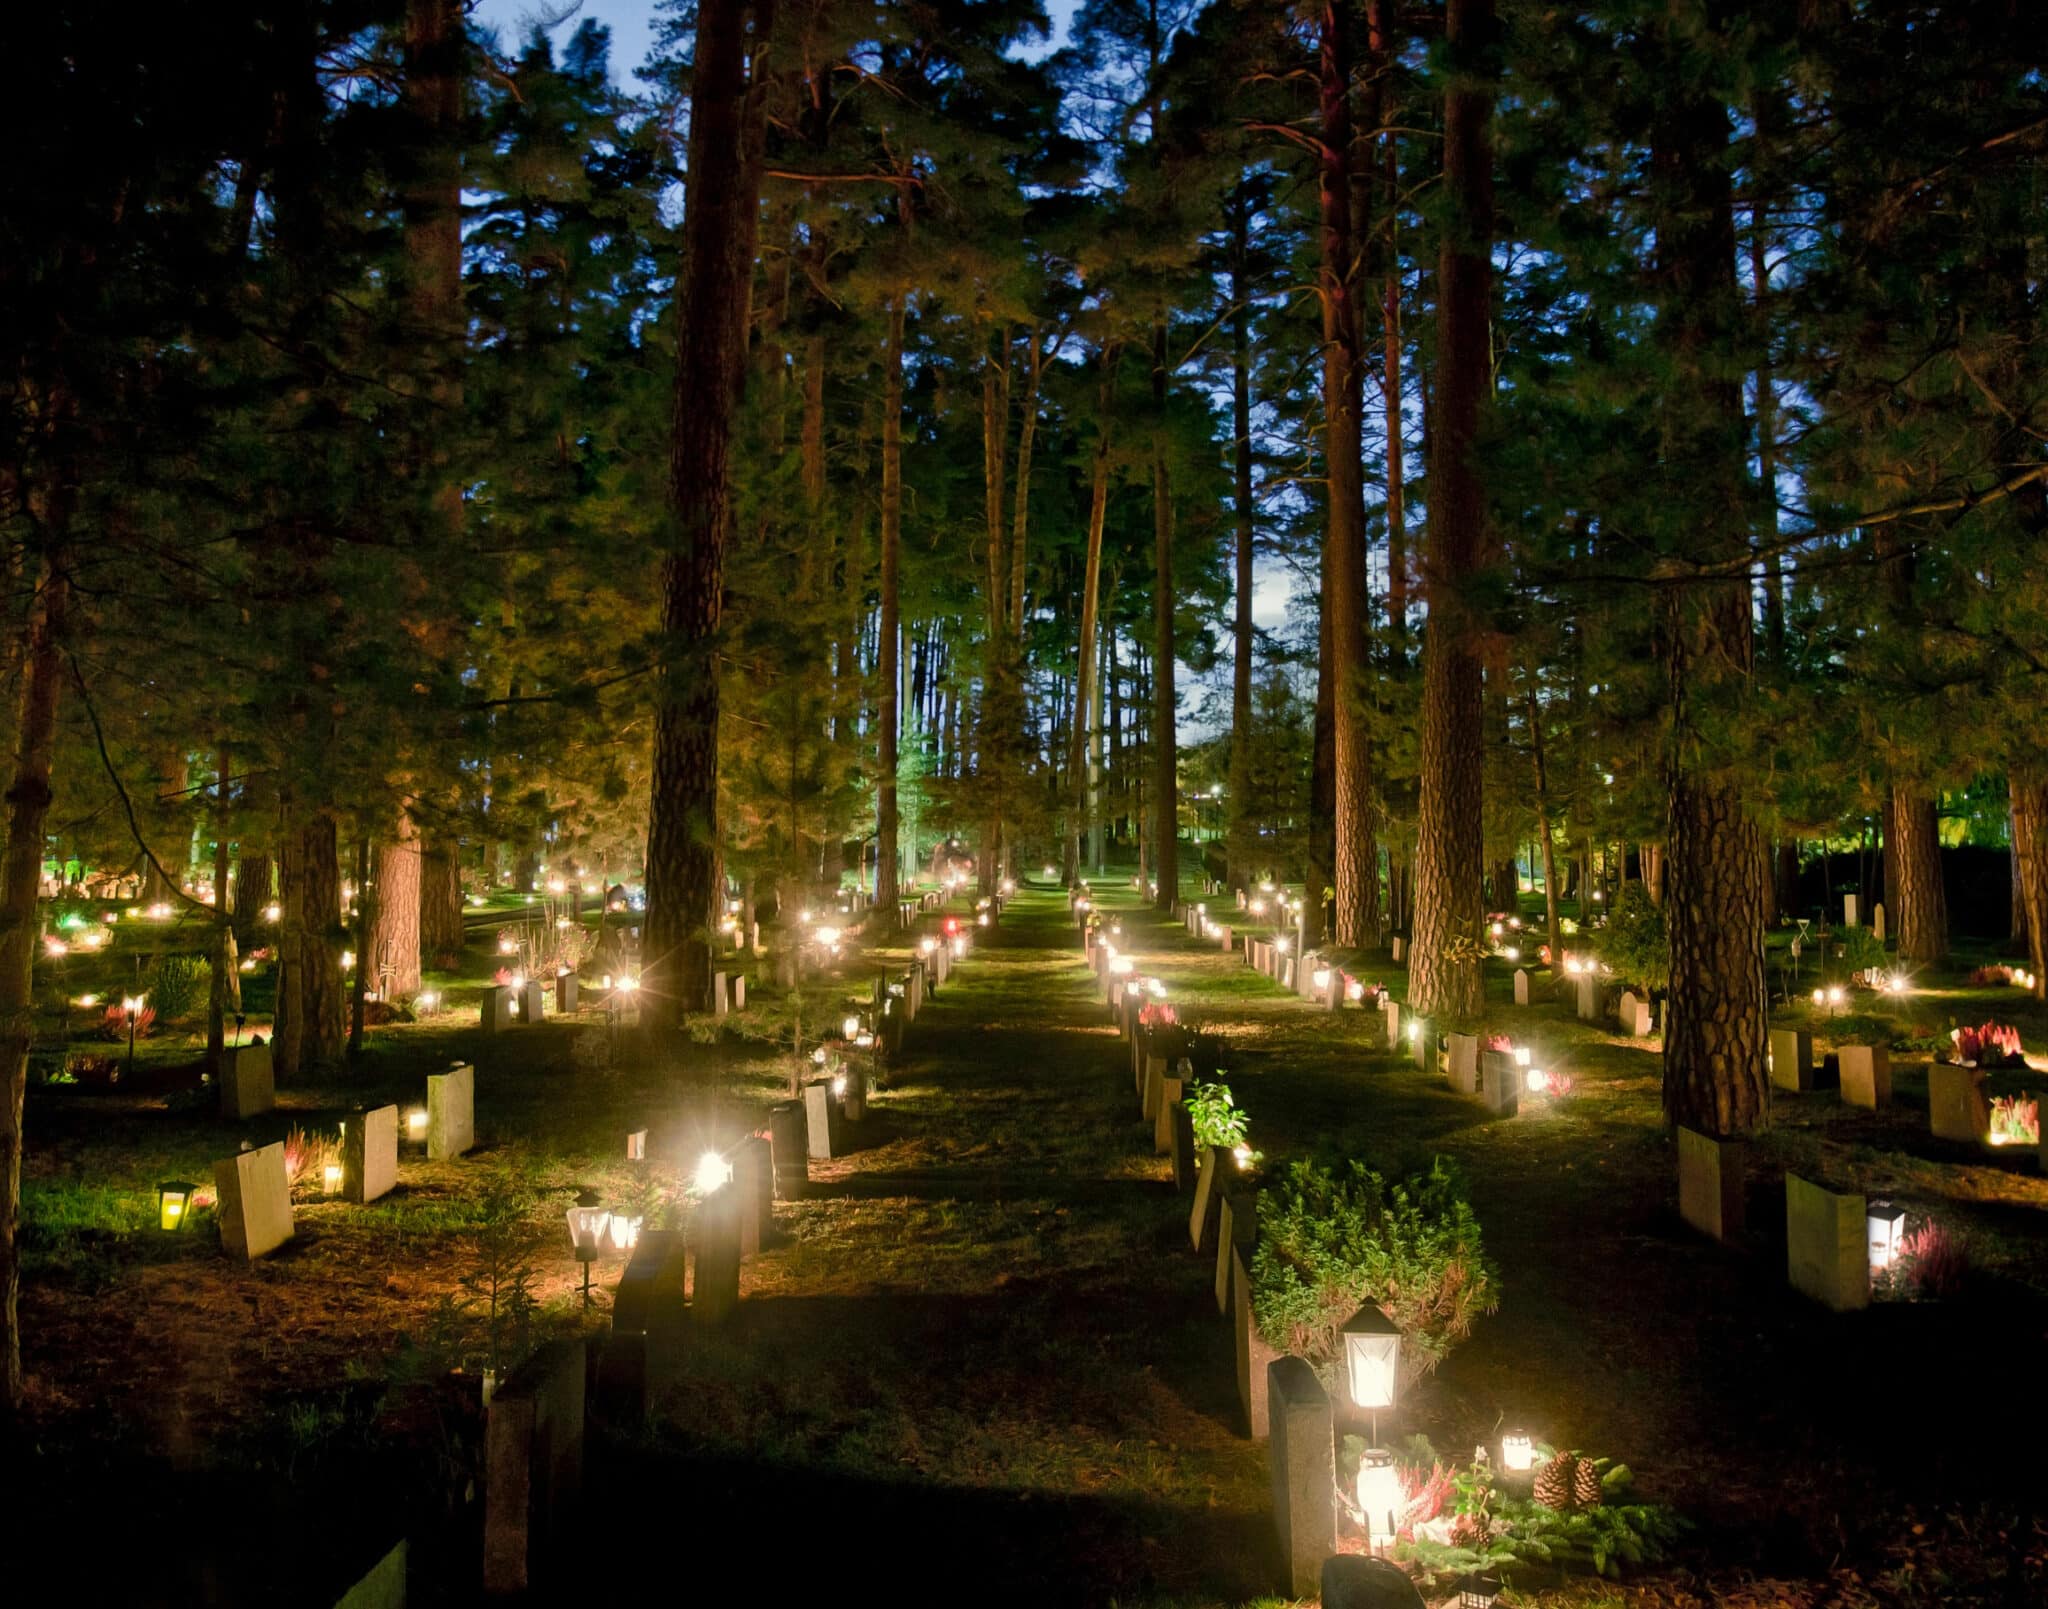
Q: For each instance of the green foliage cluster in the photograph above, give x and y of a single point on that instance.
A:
(177, 986)
(1333, 1239)
(1635, 943)
(1218, 1119)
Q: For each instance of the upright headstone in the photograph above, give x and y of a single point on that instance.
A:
(1866, 1074)
(1155, 1086)
(1400, 947)
(247, 1086)
(253, 1201)
(496, 1008)
(753, 1170)
(721, 998)
(565, 993)
(451, 1112)
(1877, 921)
(1421, 1044)
(1956, 1107)
(533, 1472)
(821, 1121)
(786, 1143)
(1253, 1354)
(1302, 1457)
(369, 1154)
(1827, 1244)
(532, 1002)
(1182, 1137)
(1588, 997)
(1225, 940)
(1208, 1196)
(1635, 1016)
(1462, 1063)
(650, 1309)
(1850, 910)
(636, 1146)
(1521, 986)
(1237, 1229)
(1500, 1083)
(1791, 1059)
(1162, 1117)
(1390, 1016)
(1710, 1182)
(715, 1230)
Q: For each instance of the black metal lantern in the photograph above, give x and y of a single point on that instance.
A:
(1479, 1591)
(173, 1204)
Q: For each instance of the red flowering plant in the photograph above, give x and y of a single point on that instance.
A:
(1990, 1044)
(115, 1024)
(1157, 1014)
(1500, 1044)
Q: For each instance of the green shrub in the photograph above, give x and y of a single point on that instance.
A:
(177, 986)
(1635, 943)
(1333, 1240)
(1218, 1120)
(1861, 950)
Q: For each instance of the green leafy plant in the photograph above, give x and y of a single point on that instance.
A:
(1635, 945)
(1218, 1120)
(1860, 949)
(176, 987)
(1332, 1240)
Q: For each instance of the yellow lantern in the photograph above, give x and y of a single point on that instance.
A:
(173, 1204)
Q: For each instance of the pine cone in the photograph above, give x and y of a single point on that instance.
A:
(1554, 1481)
(1585, 1484)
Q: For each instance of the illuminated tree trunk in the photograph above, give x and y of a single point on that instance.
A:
(440, 898)
(2030, 846)
(310, 1026)
(1917, 902)
(1381, 44)
(1243, 824)
(1165, 747)
(28, 807)
(712, 296)
(1450, 853)
(1085, 699)
(391, 958)
(886, 827)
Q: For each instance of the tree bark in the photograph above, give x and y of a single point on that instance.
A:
(886, 826)
(1085, 699)
(391, 957)
(28, 807)
(1715, 1038)
(2030, 846)
(712, 296)
(1243, 826)
(441, 932)
(1917, 904)
(1450, 849)
(1165, 746)
(310, 1024)
(1380, 44)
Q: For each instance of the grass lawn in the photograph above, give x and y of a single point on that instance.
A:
(979, 1359)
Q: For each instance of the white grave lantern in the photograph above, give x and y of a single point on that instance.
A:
(1379, 1495)
(1517, 1452)
(1887, 1235)
(1372, 1355)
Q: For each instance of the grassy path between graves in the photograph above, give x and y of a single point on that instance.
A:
(983, 1352)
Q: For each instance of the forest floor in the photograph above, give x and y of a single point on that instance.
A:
(981, 1353)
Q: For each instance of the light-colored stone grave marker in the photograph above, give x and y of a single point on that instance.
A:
(721, 999)
(1877, 921)
(1253, 1355)
(1588, 997)
(636, 1146)
(496, 1008)
(1866, 1074)
(1635, 1016)
(1500, 1082)
(1304, 1476)
(369, 1154)
(715, 1235)
(1162, 1117)
(823, 1139)
(565, 993)
(1400, 947)
(1851, 909)
(1237, 1228)
(1208, 1196)
(532, 1002)
(247, 1086)
(533, 1471)
(1181, 1139)
(451, 1112)
(253, 1201)
(1791, 1059)
(1710, 1183)
(1827, 1244)
(1390, 1017)
(1521, 986)
(1462, 1063)
(1956, 1107)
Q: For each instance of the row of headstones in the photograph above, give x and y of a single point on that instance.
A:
(253, 1193)
(1957, 1108)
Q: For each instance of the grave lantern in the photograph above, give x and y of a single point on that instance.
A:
(1887, 1234)
(1535, 1080)
(1372, 1353)
(625, 1231)
(1479, 1592)
(1517, 1452)
(1379, 1495)
(330, 1178)
(981, 920)
(173, 1203)
(416, 1124)
(849, 1028)
(713, 1172)
(587, 1224)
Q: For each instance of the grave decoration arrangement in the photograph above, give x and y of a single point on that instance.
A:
(1220, 1122)
(2015, 1120)
(1989, 1045)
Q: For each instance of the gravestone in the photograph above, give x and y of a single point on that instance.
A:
(853, 1105)
(1400, 947)
(1850, 910)
(565, 992)
(1237, 1229)
(1500, 1083)
(1253, 1355)
(532, 1002)
(1635, 1016)
(636, 1146)
(1462, 1063)
(1208, 1197)
(533, 1471)
(1588, 997)
(1866, 1074)
(1155, 1087)
(649, 1311)
(1791, 1059)
(1710, 1183)
(1877, 922)
(715, 1230)
(1225, 940)
(1183, 1142)
(753, 1170)
(787, 1147)
(1302, 1460)
(821, 1121)
(253, 1202)
(1956, 1107)
(1827, 1244)
(496, 1008)
(1162, 1119)
(247, 1087)
(1521, 986)
(451, 1112)
(721, 1000)
(1390, 1016)
(1354, 1581)
(382, 1586)
(369, 1154)
(1421, 1044)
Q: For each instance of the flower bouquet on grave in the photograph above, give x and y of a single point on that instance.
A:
(1985, 977)
(2015, 1120)
(1500, 1045)
(1991, 1044)
(1157, 1014)
(115, 1024)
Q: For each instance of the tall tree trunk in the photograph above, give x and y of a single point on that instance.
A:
(1085, 699)
(1380, 43)
(886, 827)
(712, 296)
(391, 958)
(224, 983)
(311, 1021)
(1355, 860)
(1443, 973)
(1165, 747)
(1020, 525)
(440, 897)
(28, 807)
(1917, 903)
(1766, 397)
(1243, 824)
(1715, 1038)
(358, 978)
(2030, 845)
